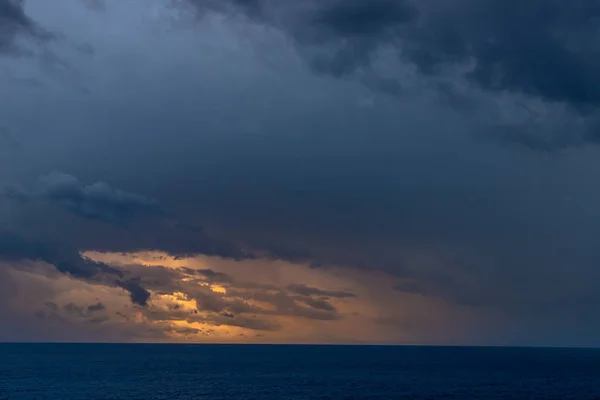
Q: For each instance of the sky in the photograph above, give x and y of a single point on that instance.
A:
(315, 171)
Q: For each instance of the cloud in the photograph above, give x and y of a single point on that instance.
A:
(353, 30)
(96, 5)
(139, 295)
(98, 201)
(96, 307)
(128, 213)
(208, 274)
(540, 48)
(233, 304)
(537, 50)
(295, 306)
(14, 22)
(13, 247)
(309, 291)
(396, 138)
(356, 18)
(237, 300)
(68, 261)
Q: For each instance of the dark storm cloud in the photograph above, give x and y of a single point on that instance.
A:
(116, 208)
(139, 295)
(250, 153)
(358, 18)
(545, 48)
(67, 260)
(182, 240)
(98, 201)
(129, 221)
(537, 47)
(14, 247)
(355, 29)
(338, 36)
(541, 49)
(253, 8)
(13, 22)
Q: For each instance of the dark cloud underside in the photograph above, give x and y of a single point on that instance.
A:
(389, 146)
(14, 22)
(540, 49)
(544, 48)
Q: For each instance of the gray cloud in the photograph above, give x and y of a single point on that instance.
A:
(539, 49)
(139, 295)
(14, 247)
(309, 291)
(67, 260)
(356, 18)
(296, 306)
(98, 201)
(320, 165)
(14, 22)
(116, 208)
(96, 5)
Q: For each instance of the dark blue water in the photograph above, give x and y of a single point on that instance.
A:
(170, 372)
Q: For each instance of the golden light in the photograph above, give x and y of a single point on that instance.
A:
(218, 289)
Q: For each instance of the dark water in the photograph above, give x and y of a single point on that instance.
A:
(170, 372)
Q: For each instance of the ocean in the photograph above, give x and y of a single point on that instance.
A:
(230, 372)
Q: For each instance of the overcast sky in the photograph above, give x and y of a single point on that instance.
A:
(327, 171)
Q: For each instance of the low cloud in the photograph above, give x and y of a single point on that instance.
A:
(14, 22)
(98, 201)
(68, 261)
(309, 291)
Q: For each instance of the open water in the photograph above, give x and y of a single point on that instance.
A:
(230, 372)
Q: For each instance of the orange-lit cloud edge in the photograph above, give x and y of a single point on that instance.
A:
(213, 300)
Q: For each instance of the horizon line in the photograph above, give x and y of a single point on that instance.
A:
(583, 347)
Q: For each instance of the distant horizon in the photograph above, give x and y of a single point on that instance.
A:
(310, 344)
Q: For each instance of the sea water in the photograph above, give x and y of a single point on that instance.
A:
(229, 372)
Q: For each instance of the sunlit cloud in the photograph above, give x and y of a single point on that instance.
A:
(208, 299)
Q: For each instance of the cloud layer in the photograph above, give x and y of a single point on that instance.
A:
(442, 157)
